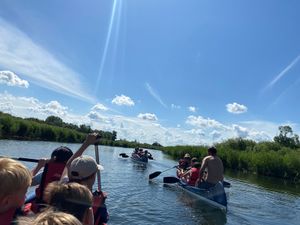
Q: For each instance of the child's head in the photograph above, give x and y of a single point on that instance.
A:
(50, 217)
(61, 154)
(15, 178)
(83, 170)
(72, 198)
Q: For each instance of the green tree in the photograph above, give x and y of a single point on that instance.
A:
(54, 120)
(286, 137)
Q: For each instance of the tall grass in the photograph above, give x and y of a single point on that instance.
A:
(265, 158)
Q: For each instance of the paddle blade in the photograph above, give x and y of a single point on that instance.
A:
(150, 157)
(155, 174)
(171, 180)
(124, 155)
(226, 184)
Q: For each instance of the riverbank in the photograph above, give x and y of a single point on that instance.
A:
(266, 158)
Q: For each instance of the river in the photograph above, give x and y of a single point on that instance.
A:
(133, 199)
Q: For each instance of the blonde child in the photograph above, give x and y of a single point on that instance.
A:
(50, 217)
(15, 179)
(72, 198)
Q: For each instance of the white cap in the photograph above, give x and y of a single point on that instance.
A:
(83, 167)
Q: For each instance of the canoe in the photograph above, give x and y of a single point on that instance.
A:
(139, 158)
(215, 196)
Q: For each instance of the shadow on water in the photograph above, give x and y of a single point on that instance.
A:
(268, 183)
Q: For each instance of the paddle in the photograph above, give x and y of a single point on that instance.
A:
(173, 180)
(170, 180)
(22, 159)
(98, 171)
(157, 173)
(123, 155)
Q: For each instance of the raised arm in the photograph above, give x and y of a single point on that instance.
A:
(90, 139)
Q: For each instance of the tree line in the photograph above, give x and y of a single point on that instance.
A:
(54, 129)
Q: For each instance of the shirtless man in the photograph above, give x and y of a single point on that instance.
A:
(213, 165)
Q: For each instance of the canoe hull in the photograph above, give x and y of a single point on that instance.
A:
(215, 196)
(138, 158)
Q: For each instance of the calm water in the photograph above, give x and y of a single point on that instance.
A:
(132, 199)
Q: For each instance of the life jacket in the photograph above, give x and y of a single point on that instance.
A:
(52, 172)
(99, 208)
(194, 176)
(9, 217)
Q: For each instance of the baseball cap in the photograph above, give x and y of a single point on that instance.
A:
(83, 167)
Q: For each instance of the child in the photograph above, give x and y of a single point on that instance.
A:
(50, 217)
(72, 198)
(15, 179)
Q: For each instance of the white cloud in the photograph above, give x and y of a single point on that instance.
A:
(199, 121)
(31, 107)
(147, 116)
(11, 79)
(240, 131)
(173, 106)
(215, 135)
(20, 54)
(236, 108)
(99, 107)
(192, 108)
(123, 100)
(203, 131)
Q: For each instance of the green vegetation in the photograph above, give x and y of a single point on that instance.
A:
(280, 158)
(277, 159)
(54, 129)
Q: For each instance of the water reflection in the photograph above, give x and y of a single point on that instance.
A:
(201, 213)
(269, 183)
(139, 166)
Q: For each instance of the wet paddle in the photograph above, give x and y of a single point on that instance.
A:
(173, 180)
(157, 173)
(22, 159)
(123, 155)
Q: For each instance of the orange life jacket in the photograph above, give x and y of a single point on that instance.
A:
(99, 208)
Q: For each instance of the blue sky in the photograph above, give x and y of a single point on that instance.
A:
(172, 71)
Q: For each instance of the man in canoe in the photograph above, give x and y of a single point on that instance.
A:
(213, 165)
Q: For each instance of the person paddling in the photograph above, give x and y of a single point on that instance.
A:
(183, 165)
(53, 169)
(213, 165)
(192, 174)
(83, 169)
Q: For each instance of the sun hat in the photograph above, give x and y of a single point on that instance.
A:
(187, 155)
(83, 167)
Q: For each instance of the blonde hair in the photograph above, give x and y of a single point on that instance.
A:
(72, 198)
(14, 177)
(50, 217)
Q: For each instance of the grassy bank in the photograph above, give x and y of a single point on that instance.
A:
(265, 158)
